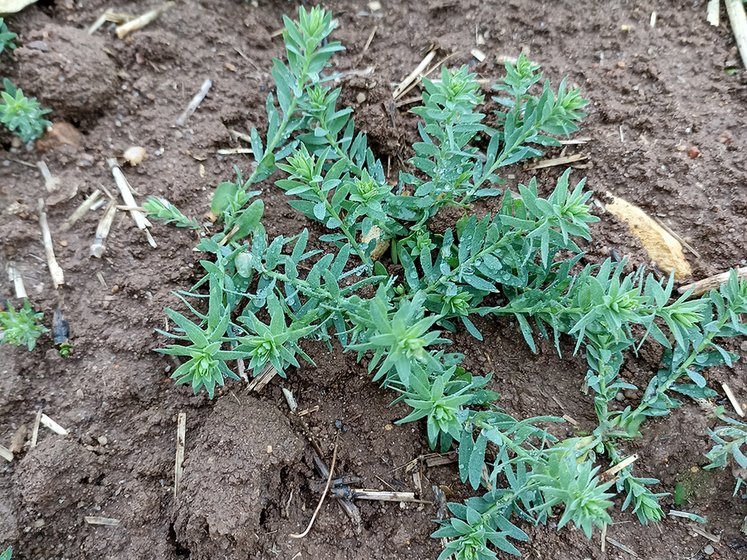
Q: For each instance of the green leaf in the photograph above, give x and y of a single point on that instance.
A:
(249, 219)
(224, 194)
(477, 459)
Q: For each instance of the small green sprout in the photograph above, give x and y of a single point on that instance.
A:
(65, 349)
(206, 364)
(7, 554)
(22, 326)
(6, 37)
(18, 112)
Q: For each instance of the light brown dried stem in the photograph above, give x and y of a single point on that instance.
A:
(713, 12)
(738, 20)
(15, 277)
(609, 473)
(264, 377)
(95, 520)
(102, 230)
(124, 188)
(426, 73)
(181, 430)
(233, 151)
(622, 547)
(196, 100)
(35, 432)
(58, 276)
(47, 422)
(707, 284)
(321, 500)
(143, 20)
(674, 234)
(732, 399)
(414, 76)
(50, 183)
(81, 210)
(552, 162)
(5, 453)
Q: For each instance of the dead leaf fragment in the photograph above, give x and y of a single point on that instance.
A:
(134, 155)
(382, 244)
(60, 133)
(8, 7)
(663, 249)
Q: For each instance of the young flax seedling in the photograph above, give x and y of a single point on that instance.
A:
(22, 115)
(21, 327)
(521, 261)
(6, 37)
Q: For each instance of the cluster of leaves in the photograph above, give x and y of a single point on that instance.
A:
(21, 327)
(266, 295)
(6, 37)
(22, 115)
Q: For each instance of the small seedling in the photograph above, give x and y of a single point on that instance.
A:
(7, 554)
(22, 115)
(6, 37)
(22, 326)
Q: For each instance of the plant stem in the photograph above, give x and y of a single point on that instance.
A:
(680, 371)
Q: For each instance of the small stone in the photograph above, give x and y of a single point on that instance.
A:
(338, 424)
(620, 64)
(388, 427)
(102, 440)
(79, 393)
(361, 97)
(151, 97)
(708, 549)
(37, 45)
(693, 152)
(115, 289)
(619, 397)
(230, 67)
(630, 394)
(63, 243)
(269, 449)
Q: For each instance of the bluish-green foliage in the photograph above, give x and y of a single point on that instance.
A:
(22, 115)
(21, 327)
(521, 261)
(6, 37)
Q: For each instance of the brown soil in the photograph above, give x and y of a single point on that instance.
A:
(653, 91)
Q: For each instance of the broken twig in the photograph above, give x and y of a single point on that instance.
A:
(58, 276)
(47, 422)
(181, 430)
(35, 432)
(143, 20)
(50, 183)
(95, 520)
(84, 207)
(414, 76)
(6, 453)
(712, 282)
(738, 20)
(321, 500)
(196, 100)
(102, 230)
(124, 188)
(15, 277)
(732, 399)
(555, 161)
